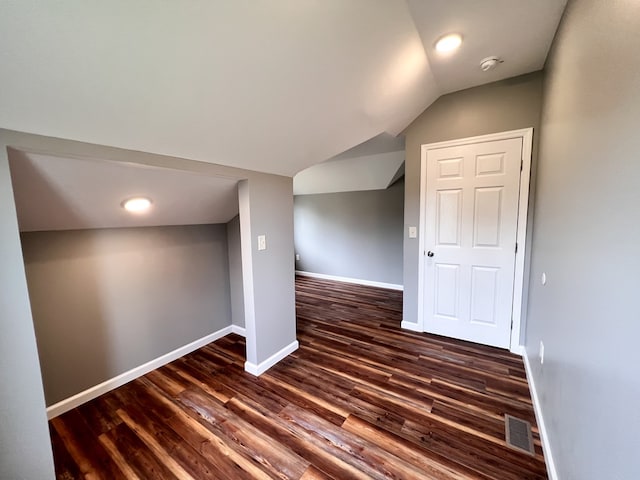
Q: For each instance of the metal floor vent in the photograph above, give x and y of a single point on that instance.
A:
(518, 433)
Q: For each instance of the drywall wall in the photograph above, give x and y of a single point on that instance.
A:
(25, 449)
(235, 271)
(109, 300)
(586, 238)
(352, 234)
(28, 437)
(497, 107)
(269, 290)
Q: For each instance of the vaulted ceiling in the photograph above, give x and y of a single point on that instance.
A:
(54, 193)
(273, 86)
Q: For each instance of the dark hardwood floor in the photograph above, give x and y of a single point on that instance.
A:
(361, 398)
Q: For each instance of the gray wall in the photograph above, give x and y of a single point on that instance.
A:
(106, 301)
(24, 432)
(25, 450)
(269, 289)
(352, 234)
(506, 105)
(235, 271)
(586, 239)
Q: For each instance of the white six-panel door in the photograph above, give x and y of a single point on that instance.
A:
(470, 228)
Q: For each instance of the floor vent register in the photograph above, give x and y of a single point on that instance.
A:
(518, 433)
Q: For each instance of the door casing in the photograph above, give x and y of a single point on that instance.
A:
(517, 315)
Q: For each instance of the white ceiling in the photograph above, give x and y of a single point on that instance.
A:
(383, 143)
(54, 193)
(270, 86)
(371, 165)
(370, 172)
(519, 32)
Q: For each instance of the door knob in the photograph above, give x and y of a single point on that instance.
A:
(430, 253)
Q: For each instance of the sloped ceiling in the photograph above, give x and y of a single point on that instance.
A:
(372, 165)
(371, 172)
(383, 143)
(55, 193)
(273, 86)
(519, 32)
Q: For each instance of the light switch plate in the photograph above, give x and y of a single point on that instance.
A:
(413, 232)
(262, 242)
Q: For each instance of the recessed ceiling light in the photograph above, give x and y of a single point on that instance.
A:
(449, 43)
(137, 204)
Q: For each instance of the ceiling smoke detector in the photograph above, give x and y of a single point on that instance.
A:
(490, 63)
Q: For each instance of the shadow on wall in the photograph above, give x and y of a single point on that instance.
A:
(81, 321)
(106, 301)
(68, 313)
(39, 186)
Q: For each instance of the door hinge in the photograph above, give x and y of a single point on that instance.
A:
(516, 247)
(521, 164)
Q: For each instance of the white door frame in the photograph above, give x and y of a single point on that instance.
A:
(521, 237)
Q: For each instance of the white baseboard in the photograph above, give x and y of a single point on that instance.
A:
(108, 385)
(537, 408)
(518, 350)
(262, 367)
(239, 330)
(414, 327)
(369, 283)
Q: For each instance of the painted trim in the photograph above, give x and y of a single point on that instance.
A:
(246, 251)
(414, 327)
(238, 330)
(119, 380)
(262, 367)
(422, 220)
(491, 137)
(358, 281)
(517, 312)
(537, 408)
(526, 134)
(519, 350)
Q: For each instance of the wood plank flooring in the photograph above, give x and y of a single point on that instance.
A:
(360, 399)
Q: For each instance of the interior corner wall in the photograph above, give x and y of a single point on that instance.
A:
(24, 432)
(585, 239)
(25, 448)
(106, 301)
(510, 104)
(235, 271)
(356, 235)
